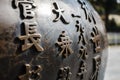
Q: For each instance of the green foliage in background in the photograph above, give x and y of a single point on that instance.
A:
(105, 8)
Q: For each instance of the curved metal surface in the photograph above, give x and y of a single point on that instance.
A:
(51, 40)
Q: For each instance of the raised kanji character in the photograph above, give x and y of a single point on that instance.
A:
(82, 70)
(30, 37)
(75, 16)
(96, 67)
(31, 74)
(64, 43)
(83, 53)
(88, 13)
(80, 29)
(64, 73)
(59, 14)
(96, 39)
(26, 8)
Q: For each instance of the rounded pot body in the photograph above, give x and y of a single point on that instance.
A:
(51, 40)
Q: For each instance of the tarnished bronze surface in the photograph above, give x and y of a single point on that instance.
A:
(51, 40)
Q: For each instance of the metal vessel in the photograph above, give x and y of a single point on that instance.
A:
(51, 40)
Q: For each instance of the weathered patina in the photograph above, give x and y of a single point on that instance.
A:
(51, 40)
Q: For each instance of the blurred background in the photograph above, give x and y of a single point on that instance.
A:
(109, 10)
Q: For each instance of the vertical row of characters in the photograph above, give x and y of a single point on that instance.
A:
(31, 38)
(64, 43)
(29, 35)
(95, 38)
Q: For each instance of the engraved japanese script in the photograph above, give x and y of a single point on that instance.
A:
(30, 34)
(59, 14)
(31, 73)
(82, 70)
(80, 29)
(26, 8)
(64, 43)
(96, 67)
(88, 13)
(30, 37)
(96, 39)
(83, 55)
(64, 73)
